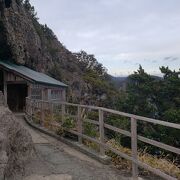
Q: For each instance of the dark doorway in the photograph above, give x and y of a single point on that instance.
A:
(16, 97)
(8, 3)
(1, 81)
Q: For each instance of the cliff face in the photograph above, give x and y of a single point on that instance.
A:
(28, 43)
(24, 42)
(16, 147)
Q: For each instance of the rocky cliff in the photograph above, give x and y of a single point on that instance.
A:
(29, 43)
(26, 42)
(16, 147)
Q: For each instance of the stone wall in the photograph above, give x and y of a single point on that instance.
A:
(16, 147)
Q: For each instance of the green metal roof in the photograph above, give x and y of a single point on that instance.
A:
(28, 73)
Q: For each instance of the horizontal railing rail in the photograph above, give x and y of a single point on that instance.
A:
(39, 107)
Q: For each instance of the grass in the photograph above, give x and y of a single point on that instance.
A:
(161, 163)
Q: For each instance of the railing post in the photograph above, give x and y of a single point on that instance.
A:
(101, 130)
(63, 111)
(134, 148)
(32, 110)
(42, 106)
(51, 113)
(26, 108)
(79, 125)
(28, 104)
(42, 113)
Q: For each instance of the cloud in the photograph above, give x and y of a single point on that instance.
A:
(154, 61)
(171, 58)
(88, 34)
(126, 61)
(167, 58)
(121, 33)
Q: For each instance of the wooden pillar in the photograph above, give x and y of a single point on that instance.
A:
(63, 94)
(28, 101)
(134, 148)
(49, 95)
(79, 125)
(63, 111)
(42, 106)
(101, 131)
(52, 114)
(5, 87)
(29, 90)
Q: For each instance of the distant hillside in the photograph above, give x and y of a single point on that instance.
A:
(120, 82)
(119, 79)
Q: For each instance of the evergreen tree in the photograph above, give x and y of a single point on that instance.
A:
(155, 98)
(30, 9)
(140, 99)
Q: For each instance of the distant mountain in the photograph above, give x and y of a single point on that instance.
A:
(156, 77)
(119, 79)
(120, 82)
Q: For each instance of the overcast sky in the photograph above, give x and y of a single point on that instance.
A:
(121, 33)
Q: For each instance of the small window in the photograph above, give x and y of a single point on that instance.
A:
(56, 94)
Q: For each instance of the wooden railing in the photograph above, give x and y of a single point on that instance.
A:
(42, 109)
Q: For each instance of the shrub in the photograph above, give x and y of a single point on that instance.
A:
(68, 123)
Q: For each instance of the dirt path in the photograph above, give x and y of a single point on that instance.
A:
(56, 161)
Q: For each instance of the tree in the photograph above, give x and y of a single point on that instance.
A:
(89, 62)
(155, 98)
(102, 90)
(140, 99)
(168, 103)
(48, 32)
(169, 96)
(30, 9)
